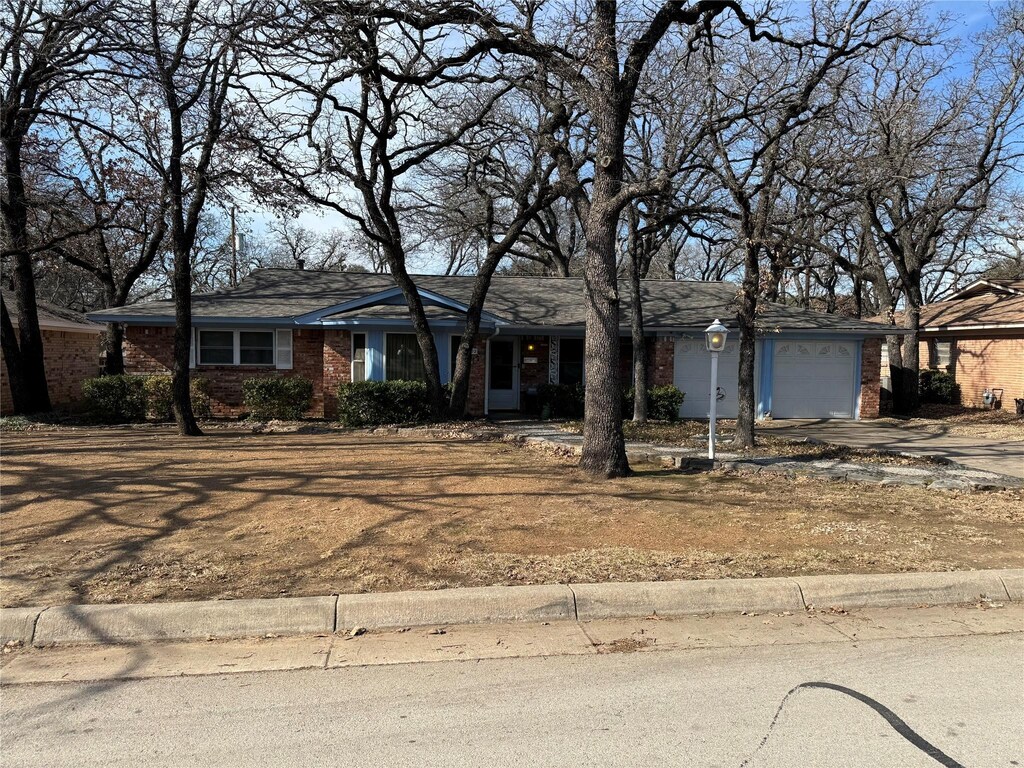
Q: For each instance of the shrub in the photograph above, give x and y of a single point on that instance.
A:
(159, 397)
(663, 403)
(372, 403)
(560, 401)
(277, 397)
(116, 399)
(938, 387)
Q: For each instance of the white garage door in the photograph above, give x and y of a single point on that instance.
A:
(693, 377)
(813, 379)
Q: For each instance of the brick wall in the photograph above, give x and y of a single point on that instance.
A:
(150, 350)
(989, 363)
(870, 378)
(533, 374)
(69, 358)
(337, 360)
(661, 361)
(477, 380)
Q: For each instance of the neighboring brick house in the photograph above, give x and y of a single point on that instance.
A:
(977, 334)
(334, 327)
(71, 354)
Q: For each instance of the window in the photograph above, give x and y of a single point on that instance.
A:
(453, 355)
(358, 357)
(216, 347)
(256, 347)
(243, 347)
(570, 361)
(941, 354)
(403, 360)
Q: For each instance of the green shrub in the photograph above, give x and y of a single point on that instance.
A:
(560, 401)
(160, 397)
(116, 399)
(938, 387)
(663, 403)
(372, 403)
(277, 397)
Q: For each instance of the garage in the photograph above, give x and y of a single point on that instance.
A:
(693, 378)
(814, 379)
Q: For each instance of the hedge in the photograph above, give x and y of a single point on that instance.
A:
(938, 387)
(277, 397)
(116, 399)
(160, 397)
(372, 403)
(560, 401)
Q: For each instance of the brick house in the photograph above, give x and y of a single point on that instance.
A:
(71, 354)
(334, 327)
(977, 334)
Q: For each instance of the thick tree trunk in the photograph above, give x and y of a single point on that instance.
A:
(604, 448)
(12, 359)
(26, 368)
(906, 393)
(184, 417)
(748, 338)
(113, 357)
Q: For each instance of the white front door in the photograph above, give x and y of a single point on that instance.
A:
(814, 379)
(693, 378)
(503, 375)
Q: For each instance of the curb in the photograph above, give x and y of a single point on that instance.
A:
(112, 624)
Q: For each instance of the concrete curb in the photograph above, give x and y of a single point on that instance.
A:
(111, 624)
(473, 605)
(73, 624)
(681, 598)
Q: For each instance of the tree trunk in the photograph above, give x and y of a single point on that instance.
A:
(12, 359)
(748, 337)
(113, 358)
(906, 395)
(26, 368)
(604, 448)
(636, 324)
(184, 417)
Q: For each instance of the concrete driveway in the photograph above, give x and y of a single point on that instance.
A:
(1004, 457)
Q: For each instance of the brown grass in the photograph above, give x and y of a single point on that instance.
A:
(121, 515)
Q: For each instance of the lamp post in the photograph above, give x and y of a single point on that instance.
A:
(715, 335)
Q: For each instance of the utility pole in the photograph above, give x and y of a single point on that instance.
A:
(234, 250)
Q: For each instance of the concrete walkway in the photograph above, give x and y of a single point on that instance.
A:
(1006, 458)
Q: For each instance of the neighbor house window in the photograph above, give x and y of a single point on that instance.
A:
(237, 347)
(216, 347)
(256, 347)
(941, 355)
(570, 361)
(403, 360)
(358, 357)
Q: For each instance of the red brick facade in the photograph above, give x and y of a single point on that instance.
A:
(982, 362)
(70, 357)
(870, 383)
(663, 361)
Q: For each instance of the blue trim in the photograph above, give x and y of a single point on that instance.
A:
(443, 344)
(375, 355)
(767, 358)
(856, 379)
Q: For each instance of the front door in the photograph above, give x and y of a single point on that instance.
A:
(503, 376)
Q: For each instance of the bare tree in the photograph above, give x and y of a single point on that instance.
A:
(934, 148)
(47, 47)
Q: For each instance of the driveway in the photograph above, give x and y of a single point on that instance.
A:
(1004, 457)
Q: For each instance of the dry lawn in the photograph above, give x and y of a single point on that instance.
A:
(124, 515)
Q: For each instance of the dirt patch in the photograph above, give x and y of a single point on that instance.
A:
(964, 422)
(128, 515)
(694, 434)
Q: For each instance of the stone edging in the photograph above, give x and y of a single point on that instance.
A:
(112, 624)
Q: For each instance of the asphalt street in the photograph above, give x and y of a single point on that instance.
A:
(906, 702)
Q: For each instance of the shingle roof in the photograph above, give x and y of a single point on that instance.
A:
(980, 309)
(284, 294)
(49, 314)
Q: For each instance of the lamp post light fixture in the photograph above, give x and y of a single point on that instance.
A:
(715, 335)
